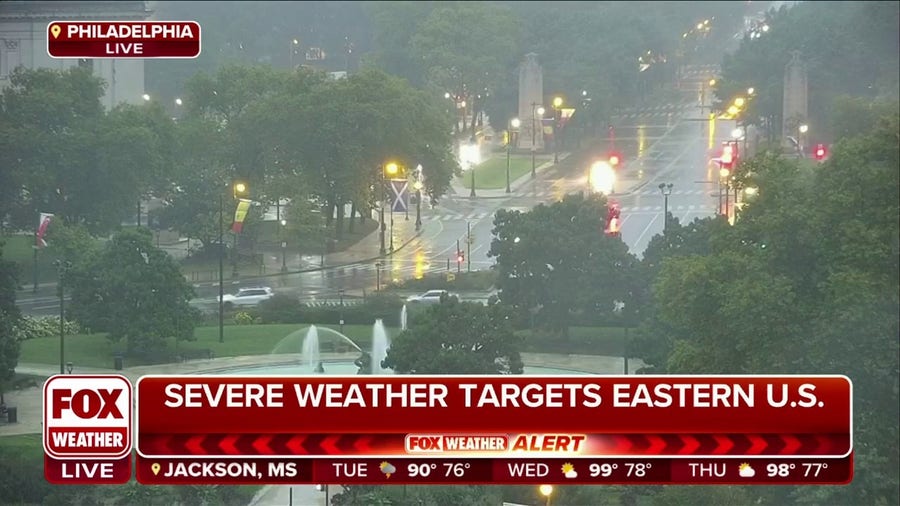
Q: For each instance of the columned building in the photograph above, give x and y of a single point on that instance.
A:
(23, 41)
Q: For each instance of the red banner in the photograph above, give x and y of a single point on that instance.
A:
(123, 39)
(495, 416)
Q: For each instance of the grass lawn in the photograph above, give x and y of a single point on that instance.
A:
(491, 174)
(96, 350)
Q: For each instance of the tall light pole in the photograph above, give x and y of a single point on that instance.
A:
(513, 130)
(341, 316)
(418, 185)
(283, 223)
(557, 103)
(62, 268)
(221, 268)
(800, 138)
(666, 189)
(390, 169)
(536, 109)
(238, 189)
(294, 47)
(546, 491)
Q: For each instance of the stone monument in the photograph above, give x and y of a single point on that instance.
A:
(794, 111)
(531, 96)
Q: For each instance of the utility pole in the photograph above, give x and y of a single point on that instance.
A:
(468, 247)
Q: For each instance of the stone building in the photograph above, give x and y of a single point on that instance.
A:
(23, 41)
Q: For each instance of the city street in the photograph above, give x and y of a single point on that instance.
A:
(668, 143)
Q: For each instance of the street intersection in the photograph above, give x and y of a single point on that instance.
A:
(668, 143)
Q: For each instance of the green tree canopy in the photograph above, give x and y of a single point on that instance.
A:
(457, 338)
(9, 315)
(807, 281)
(556, 262)
(133, 291)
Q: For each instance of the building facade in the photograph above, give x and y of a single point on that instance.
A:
(23, 42)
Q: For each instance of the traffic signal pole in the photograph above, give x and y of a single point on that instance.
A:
(468, 247)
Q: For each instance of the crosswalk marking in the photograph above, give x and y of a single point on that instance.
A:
(636, 209)
(458, 217)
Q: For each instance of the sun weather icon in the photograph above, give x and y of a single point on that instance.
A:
(569, 471)
(745, 471)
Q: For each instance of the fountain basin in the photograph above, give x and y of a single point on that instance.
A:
(348, 368)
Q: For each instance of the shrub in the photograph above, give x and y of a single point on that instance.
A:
(29, 327)
(384, 306)
(243, 318)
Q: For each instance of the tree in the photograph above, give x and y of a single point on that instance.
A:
(9, 315)
(806, 282)
(457, 338)
(556, 263)
(49, 120)
(135, 292)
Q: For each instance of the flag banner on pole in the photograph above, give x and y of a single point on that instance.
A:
(239, 214)
(399, 195)
(42, 229)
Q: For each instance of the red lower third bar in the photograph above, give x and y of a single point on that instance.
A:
(584, 471)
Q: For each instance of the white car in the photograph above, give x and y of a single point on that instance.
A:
(248, 296)
(429, 297)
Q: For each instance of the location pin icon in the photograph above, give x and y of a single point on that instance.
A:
(155, 468)
(54, 30)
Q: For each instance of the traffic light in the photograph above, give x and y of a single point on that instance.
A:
(820, 152)
(728, 156)
(613, 221)
(460, 257)
(614, 160)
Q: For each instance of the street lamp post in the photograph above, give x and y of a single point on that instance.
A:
(535, 109)
(392, 169)
(557, 103)
(418, 187)
(472, 171)
(546, 491)
(341, 316)
(666, 189)
(513, 127)
(283, 248)
(800, 138)
(221, 268)
(294, 44)
(62, 267)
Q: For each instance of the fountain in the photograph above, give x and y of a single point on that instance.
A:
(311, 347)
(403, 318)
(380, 345)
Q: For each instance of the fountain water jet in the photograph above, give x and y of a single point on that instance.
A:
(380, 345)
(311, 347)
(403, 317)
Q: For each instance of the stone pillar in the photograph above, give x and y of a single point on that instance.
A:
(531, 96)
(794, 111)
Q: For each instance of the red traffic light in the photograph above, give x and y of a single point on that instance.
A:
(460, 257)
(820, 152)
(613, 221)
(614, 159)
